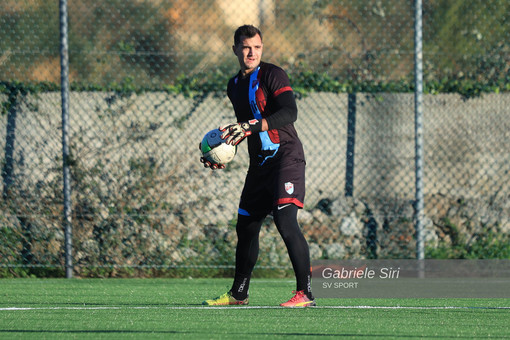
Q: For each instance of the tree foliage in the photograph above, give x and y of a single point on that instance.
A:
(329, 45)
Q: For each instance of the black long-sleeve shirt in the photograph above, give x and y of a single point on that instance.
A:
(266, 93)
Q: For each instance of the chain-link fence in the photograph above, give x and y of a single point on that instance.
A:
(148, 80)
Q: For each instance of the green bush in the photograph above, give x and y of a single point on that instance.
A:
(488, 245)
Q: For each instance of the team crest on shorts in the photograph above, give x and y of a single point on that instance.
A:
(289, 187)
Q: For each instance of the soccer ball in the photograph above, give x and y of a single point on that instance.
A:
(215, 150)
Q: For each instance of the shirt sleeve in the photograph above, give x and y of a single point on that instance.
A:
(286, 113)
(283, 96)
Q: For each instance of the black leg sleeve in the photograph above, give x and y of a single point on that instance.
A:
(286, 222)
(247, 252)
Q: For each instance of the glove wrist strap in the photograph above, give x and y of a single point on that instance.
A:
(255, 125)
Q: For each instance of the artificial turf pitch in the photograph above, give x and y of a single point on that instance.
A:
(171, 308)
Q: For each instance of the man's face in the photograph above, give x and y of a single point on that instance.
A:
(248, 52)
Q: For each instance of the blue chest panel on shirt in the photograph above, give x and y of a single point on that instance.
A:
(267, 144)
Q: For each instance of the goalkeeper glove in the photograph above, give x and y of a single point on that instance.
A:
(237, 132)
(208, 164)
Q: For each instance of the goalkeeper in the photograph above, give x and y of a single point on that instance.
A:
(266, 110)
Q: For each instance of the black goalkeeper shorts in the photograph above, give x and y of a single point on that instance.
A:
(266, 188)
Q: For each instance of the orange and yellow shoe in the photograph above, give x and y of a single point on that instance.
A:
(225, 300)
(299, 300)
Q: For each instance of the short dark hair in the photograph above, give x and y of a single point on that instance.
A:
(248, 31)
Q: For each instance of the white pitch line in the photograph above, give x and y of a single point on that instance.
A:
(243, 307)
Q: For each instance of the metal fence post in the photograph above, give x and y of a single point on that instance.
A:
(8, 167)
(351, 139)
(64, 79)
(418, 112)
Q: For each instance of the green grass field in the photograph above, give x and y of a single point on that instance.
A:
(171, 308)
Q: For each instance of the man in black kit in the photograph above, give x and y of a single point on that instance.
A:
(266, 110)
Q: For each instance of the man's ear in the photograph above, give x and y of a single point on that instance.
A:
(234, 49)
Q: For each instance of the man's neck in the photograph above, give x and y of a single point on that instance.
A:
(246, 73)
